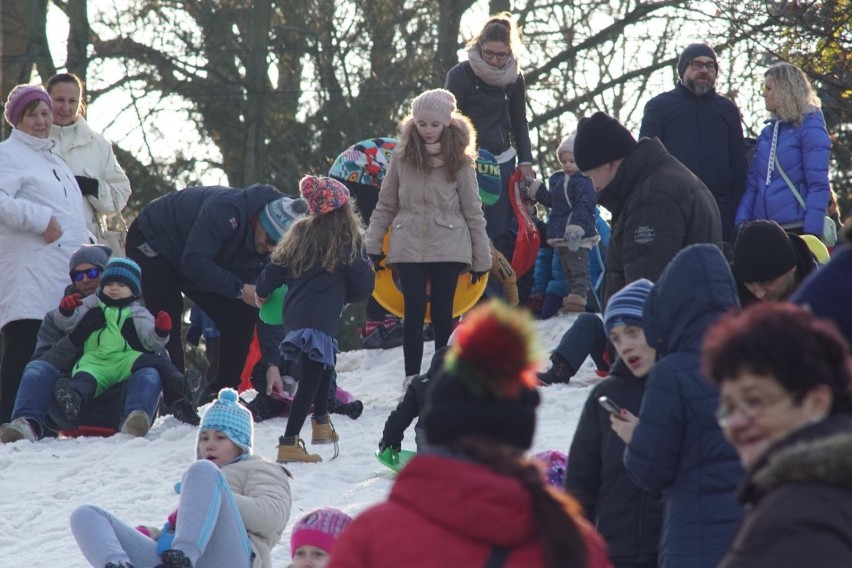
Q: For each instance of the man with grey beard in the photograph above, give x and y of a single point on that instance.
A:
(702, 129)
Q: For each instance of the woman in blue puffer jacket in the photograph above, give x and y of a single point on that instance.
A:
(797, 136)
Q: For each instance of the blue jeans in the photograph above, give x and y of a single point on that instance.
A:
(35, 399)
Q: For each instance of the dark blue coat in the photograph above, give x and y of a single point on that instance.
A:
(207, 234)
(580, 211)
(705, 134)
(678, 448)
(803, 152)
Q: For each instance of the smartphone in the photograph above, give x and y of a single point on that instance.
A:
(610, 407)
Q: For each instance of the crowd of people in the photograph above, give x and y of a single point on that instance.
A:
(721, 420)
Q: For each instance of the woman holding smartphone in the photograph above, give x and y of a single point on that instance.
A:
(627, 517)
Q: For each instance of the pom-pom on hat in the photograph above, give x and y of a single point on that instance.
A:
(96, 255)
(323, 194)
(626, 306)
(567, 145)
(231, 418)
(320, 528)
(691, 52)
(763, 252)
(487, 386)
(277, 216)
(437, 104)
(20, 97)
(601, 139)
(124, 271)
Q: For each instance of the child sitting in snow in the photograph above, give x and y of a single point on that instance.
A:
(233, 506)
(117, 335)
(571, 228)
(314, 537)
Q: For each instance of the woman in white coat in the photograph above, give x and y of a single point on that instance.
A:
(41, 225)
(104, 185)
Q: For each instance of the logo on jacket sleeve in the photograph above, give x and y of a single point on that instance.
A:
(644, 234)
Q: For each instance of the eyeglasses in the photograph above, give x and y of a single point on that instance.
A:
(90, 273)
(501, 55)
(749, 408)
(699, 65)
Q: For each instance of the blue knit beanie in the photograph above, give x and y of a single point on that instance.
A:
(625, 307)
(231, 418)
(277, 216)
(124, 271)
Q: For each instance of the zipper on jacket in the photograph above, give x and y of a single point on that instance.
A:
(64, 189)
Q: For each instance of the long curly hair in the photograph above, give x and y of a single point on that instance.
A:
(458, 145)
(333, 239)
(794, 94)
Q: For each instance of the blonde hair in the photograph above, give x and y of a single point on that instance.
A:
(500, 27)
(458, 145)
(333, 239)
(793, 93)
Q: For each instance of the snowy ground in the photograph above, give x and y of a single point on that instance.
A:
(40, 484)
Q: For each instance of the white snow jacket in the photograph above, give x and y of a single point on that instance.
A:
(35, 184)
(89, 154)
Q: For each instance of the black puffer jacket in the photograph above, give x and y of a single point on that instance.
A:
(628, 518)
(498, 114)
(799, 498)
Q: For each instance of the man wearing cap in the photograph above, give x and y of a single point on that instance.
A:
(769, 263)
(34, 414)
(658, 206)
(702, 129)
(211, 244)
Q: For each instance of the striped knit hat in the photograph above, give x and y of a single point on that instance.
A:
(124, 271)
(625, 307)
(320, 528)
(231, 418)
(277, 216)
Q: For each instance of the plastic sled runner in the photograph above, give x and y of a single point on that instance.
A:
(395, 460)
(388, 292)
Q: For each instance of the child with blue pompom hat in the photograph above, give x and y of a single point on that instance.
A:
(233, 506)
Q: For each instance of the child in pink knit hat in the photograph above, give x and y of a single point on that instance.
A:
(314, 537)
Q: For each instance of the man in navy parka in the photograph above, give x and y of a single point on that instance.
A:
(678, 448)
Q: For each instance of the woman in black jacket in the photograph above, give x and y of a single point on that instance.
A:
(490, 90)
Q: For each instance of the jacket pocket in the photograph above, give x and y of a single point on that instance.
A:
(450, 240)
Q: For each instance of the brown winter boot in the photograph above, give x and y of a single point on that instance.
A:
(572, 304)
(323, 431)
(291, 449)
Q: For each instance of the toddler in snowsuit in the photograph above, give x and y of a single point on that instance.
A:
(571, 228)
(118, 336)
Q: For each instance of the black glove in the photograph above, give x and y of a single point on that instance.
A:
(476, 276)
(384, 445)
(91, 322)
(88, 186)
(377, 259)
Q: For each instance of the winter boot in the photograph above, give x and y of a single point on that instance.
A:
(572, 304)
(291, 449)
(136, 424)
(351, 409)
(560, 371)
(263, 407)
(184, 411)
(323, 430)
(69, 400)
(174, 559)
(18, 429)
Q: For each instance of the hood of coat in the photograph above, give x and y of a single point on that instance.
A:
(820, 453)
(693, 291)
(636, 167)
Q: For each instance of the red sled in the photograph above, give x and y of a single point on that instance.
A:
(528, 240)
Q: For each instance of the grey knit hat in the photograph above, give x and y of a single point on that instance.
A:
(437, 104)
(277, 216)
(96, 255)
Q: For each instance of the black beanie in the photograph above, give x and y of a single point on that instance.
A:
(763, 252)
(487, 387)
(691, 52)
(601, 139)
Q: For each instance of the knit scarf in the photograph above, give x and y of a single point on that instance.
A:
(494, 76)
(434, 151)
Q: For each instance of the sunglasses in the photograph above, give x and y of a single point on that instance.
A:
(90, 273)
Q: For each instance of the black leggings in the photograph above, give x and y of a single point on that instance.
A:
(314, 384)
(413, 278)
(19, 341)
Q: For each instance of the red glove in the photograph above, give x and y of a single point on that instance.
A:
(163, 323)
(70, 303)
